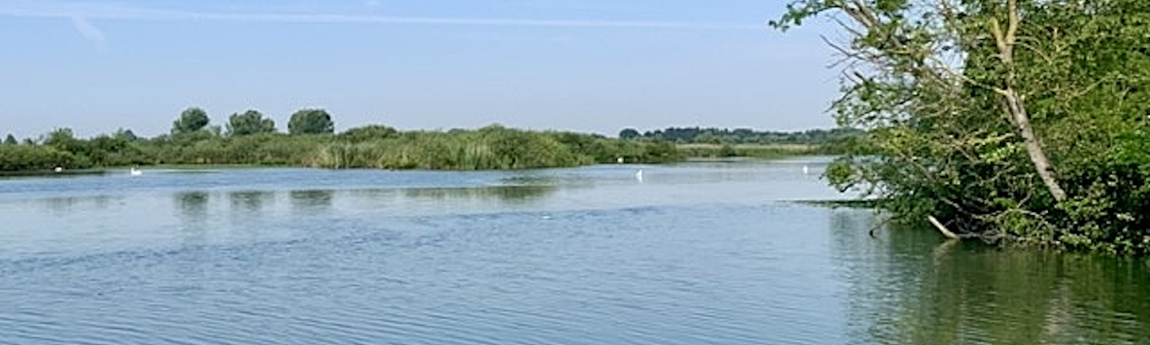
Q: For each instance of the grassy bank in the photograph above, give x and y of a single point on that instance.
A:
(373, 146)
(492, 147)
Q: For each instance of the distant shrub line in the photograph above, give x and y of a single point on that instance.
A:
(250, 138)
(381, 147)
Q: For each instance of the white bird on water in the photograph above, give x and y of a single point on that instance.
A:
(806, 170)
(639, 175)
(135, 172)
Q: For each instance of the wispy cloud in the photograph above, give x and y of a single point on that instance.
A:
(90, 32)
(48, 9)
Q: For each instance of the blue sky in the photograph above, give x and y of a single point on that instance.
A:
(584, 65)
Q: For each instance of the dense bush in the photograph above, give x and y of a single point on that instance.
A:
(30, 158)
(492, 147)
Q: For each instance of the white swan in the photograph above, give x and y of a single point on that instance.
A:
(135, 172)
(639, 175)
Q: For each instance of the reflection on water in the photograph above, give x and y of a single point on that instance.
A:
(909, 287)
(193, 204)
(311, 199)
(61, 204)
(250, 202)
(68, 204)
(507, 194)
(531, 179)
(193, 217)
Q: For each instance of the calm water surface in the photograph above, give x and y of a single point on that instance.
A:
(698, 253)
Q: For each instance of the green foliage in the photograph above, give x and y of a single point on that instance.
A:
(931, 87)
(63, 139)
(102, 150)
(10, 140)
(374, 146)
(106, 150)
(248, 123)
(492, 147)
(311, 121)
(254, 149)
(191, 120)
(727, 151)
(367, 133)
(35, 157)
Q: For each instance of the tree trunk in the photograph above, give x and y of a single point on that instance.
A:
(1015, 104)
(1033, 147)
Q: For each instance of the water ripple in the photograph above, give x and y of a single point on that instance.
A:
(695, 255)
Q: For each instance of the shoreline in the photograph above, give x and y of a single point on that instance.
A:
(186, 166)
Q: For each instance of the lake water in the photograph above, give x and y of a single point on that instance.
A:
(696, 253)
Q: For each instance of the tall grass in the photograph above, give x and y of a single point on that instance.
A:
(488, 148)
(484, 149)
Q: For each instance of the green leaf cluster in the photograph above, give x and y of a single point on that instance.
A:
(191, 120)
(311, 121)
(249, 122)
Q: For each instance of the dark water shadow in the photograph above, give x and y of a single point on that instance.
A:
(251, 202)
(506, 194)
(193, 209)
(311, 199)
(69, 204)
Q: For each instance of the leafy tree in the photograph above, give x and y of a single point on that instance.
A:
(10, 140)
(191, 120)
(311, 121)
(628, 134)
(62, 138)
(1018, 121)
(248, 123)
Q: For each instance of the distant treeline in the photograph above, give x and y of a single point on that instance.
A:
(251, 139)
(696, 135)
